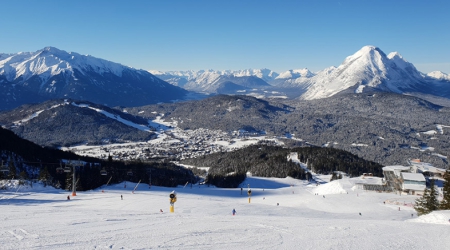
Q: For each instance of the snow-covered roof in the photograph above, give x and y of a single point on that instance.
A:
(370, 180)
(395, 168)
(427, 167)
(413, 177)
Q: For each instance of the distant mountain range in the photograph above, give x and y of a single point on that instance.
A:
(50, 73)
(369, 69)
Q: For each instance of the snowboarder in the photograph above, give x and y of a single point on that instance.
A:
(68, 197)
(121, 197)
(160, 210)
(234, 211)
(359, 214)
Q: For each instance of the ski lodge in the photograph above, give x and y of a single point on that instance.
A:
(408, 180)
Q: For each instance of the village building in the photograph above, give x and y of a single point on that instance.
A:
(412, 183)
(426, 169)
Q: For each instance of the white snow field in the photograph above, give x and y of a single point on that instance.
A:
(43, 218)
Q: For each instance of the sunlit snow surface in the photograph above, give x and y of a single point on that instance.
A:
(42, 218)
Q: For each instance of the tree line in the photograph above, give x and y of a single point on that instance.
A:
(229, 169)
(429, 202)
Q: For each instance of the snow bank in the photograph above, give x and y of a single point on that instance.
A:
(334, 187)
(436, 217)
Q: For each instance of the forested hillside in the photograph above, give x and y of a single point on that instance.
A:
(28, 161)
(229, 169)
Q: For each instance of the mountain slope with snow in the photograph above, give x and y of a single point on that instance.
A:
(438, 75)
(212, 81)
(59, 123)
(369, 69)
(50, 73)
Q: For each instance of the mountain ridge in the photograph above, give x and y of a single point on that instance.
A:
(51, 73)
(366, 70)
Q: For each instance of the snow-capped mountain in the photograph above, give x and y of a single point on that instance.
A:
(265, 74)
(211, 81)
(439, 75)
(49, 73)
(295, 73)
(367, 70)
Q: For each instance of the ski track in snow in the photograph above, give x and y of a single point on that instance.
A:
(44, 219)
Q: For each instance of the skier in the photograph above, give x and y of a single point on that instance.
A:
(360, 214)
(68, 197)
(160, 210)
(234, 211)
(121, 197)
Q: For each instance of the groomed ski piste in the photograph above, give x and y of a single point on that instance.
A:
(282, 214)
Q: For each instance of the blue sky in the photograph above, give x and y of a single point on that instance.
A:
(215, 34)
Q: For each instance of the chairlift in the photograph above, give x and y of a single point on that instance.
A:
(4, 169)
(67, 169)
(59, 169)
(103, 172)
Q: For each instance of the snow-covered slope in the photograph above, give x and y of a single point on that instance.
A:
(49, 73)
(439, 75)
(368, 68)
(282, 214)
(51, 61)
(295, 73)
(210, 80)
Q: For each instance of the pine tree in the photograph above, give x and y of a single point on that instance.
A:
(445, 203)
(23, 175)
(333, 177)
(421, 203)
(12, 169)
(433, 203)
(45, 176)
(428, 202)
